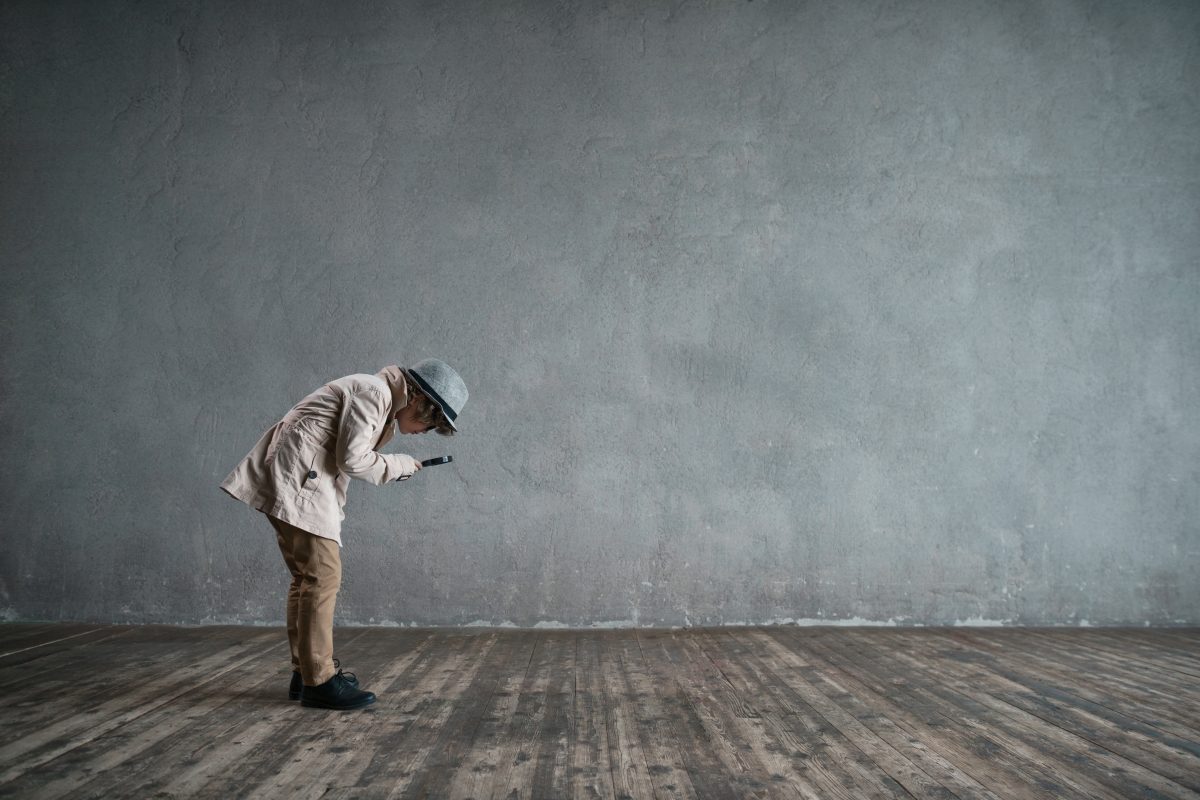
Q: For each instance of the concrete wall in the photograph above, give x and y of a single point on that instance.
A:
(770, 311)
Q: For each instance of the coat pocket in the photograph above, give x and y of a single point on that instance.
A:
(318, 469)
(309, 476)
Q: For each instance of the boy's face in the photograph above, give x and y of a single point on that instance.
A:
(406, 422)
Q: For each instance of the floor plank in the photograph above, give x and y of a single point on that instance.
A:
(737, 712)
(1137, 693)
(930, 774)
(1078, 753)
(18, 639)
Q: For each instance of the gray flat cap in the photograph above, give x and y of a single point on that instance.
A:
(438, 380)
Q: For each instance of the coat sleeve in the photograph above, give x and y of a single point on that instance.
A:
(363, 412)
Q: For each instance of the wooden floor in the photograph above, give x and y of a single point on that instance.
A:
(780, 712)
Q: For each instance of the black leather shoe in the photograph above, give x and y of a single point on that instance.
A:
(298, 682)
(336, 693)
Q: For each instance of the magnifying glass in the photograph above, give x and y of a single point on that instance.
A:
(429, 463)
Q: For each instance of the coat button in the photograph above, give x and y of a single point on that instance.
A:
(312, 473)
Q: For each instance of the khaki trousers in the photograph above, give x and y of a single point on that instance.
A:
(316, 567)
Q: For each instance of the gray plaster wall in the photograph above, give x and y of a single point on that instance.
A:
(855, 312)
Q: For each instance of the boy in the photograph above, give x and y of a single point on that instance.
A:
(297, 474)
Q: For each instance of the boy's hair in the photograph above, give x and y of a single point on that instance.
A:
(425, 410)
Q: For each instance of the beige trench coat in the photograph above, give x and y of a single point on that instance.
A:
(300, 468)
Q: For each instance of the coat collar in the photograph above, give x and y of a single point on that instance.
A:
(393, 376)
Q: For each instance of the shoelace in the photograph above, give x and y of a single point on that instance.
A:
(338, 665)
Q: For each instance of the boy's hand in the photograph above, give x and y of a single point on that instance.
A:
(408, 466)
